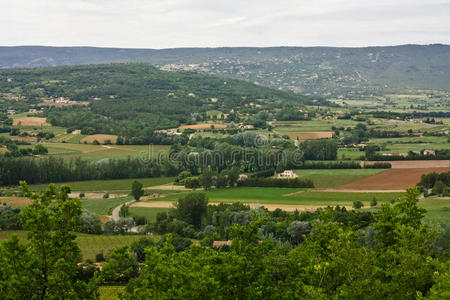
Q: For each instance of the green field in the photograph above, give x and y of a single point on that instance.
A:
(110, 292)
(147, 212)
(113, 185)
(103, 206)
(349, 153)
(96, 152)
(291, 196)
(438, 209)
(90, 244)
(313, 125)
(333, 178)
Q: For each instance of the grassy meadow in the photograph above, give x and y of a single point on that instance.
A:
(112, 185)
(90, 244)
(290, 196)
(147, 212)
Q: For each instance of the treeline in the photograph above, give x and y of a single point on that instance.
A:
(442, 154)
(410, 115)
(330, 165)
(45, 170)
(439, 183)
(277, 182)
(322, 149)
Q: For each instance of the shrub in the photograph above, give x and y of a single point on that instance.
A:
(105, 196)
(357, 204)
(192, 182)
(374, 202)
(99, 257)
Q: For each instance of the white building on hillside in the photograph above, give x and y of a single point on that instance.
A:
(287, 174)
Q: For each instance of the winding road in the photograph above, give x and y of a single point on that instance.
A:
(115, 212)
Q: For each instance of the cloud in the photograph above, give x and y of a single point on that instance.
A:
(200, 23)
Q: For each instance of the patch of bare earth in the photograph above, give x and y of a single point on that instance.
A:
(30, 121)
(96, 195)
(203, 126)
(16, 201)
(393, 179)
(416, 164)
(101, 138)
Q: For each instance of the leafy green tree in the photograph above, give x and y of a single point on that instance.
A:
(191, 182)
(120, 266)
(192, 208)
(136, 190)
(46, 266)
(357, 204)
(124, 211)
(206, 178)
(90, 223)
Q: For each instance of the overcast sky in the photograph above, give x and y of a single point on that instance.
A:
(212, 23)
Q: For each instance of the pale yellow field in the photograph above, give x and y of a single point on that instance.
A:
(101, 138)
(30, 121)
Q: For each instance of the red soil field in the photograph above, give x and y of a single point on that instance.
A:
(395, 178)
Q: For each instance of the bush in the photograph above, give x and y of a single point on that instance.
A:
(99, 257)
(357, 204)
(121, 226)
(373, 203)
(105, 196)
(140, 220)
(378, 165)
(90, 223)
(192, 182)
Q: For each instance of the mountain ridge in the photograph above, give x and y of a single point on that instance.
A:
(327, 71)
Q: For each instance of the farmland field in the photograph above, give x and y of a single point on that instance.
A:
(103, 206)
(395, 178)
(308, 135)
(147, 212)
(110, 292)
(203, 126)
(15, 201)
(95, 152)
(101, 138)
(290, 196)
(108, 185)
(333, 178)
(90, 244)
(30, 121)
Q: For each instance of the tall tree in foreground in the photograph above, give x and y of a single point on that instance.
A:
(45, 267)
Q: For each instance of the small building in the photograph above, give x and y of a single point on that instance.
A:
(287, 174)
(218, 244)
(429, 152)
(242, 177)
(11, 112)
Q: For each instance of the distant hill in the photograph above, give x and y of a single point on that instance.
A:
(131, 99)
(351, 72)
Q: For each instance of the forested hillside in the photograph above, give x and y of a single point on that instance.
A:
(128, 99)
(350, 72)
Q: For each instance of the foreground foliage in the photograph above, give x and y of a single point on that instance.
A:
(46, 266)
(392, 259)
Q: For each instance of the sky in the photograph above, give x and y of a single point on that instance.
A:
(211, 23)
